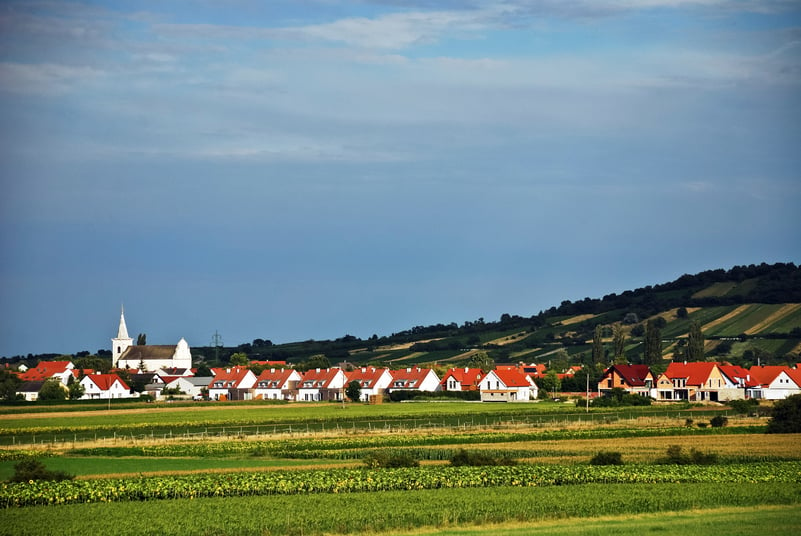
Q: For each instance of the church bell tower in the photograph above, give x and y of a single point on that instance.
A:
(122, 342)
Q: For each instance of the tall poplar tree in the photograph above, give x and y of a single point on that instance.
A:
(653, 344)
(619, 343)
(695, 343)
(597, 345)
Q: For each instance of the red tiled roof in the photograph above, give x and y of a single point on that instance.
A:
(512, 378)
(234, 375)
(696, 372)
(105, 381)
(409, 375)
(322, 378)
(766, 374)
(738, 375)
(634, 375)
(467, 377)
(275, 375)
(366, 376)
(44, 370)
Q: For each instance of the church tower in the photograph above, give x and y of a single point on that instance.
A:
(122, 342)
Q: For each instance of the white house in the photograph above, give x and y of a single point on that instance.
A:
(507, 385)
(232, 383)
(414, 379)
(321, 384)
(373, 381)
(277, 384)
(191, 385)
(775, 382)
(104, 386)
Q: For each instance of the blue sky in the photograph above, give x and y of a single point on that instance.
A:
(309, 169)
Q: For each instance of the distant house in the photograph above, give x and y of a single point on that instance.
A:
(462, 379)
(191, 385)
(30, 390)
(738, 383)
(414, 379)
(62, 370)
(320, 385)
(277, 384)
(104, 386)
(372, 381)
(507, 385)
(636, 379)
(694, 381)
(775, 382)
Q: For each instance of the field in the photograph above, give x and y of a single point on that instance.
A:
(312, 479)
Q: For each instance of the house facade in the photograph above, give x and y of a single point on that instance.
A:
(462, 379)
(507, 385)
(104, 386)
(277, 384)
(232, 383)
(414, 379)
(636, 379)
(320, 385)
(372, 381)
(774, 382)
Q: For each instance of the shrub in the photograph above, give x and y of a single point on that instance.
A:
(718, 421)
(607, 458)
(463, 458)
(688, 423)
(380, 458)
(743, 407)
(32, 469)
(676, 456)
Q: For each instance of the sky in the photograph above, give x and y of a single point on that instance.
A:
(307, 169)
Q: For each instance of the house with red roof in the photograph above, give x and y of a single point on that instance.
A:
(373, 381)
(738, 383)
(507, 385)
(62, 370)
(462, 379)
(636, 379)
(414, 379)
(231, 383)
(322, 384)
(775, 382)
(277, 384)
(694, 381)
(104, 386)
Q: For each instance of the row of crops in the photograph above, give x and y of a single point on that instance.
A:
(364, 480)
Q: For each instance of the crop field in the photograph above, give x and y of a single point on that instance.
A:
(312, 480)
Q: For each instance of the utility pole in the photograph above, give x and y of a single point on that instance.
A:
(216, 341)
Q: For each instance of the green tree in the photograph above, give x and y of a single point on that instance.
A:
(239, 359)
(9, 382)
(653, 344)
(74, 389)
(597, 345)
(52, 389)
(619, 343)
(354, 390)
(695, 343)
(483, 361)
(141, 339)
(551, 383)
(786, 416)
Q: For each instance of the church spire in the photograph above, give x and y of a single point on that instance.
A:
(122, 332)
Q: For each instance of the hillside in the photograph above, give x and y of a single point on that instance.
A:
(748, 314)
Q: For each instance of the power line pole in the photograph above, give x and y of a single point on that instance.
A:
(216, 341)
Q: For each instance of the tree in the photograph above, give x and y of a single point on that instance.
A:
(786, 416)
(483, 361)
(597, 345)
(653, 344)
(52, 389)
(681, 312)
(8, 385)
(551, 382)
(619, 343)
(74, 389)
(354, 390)
(141, 339)
(695, 343)
(239, 359)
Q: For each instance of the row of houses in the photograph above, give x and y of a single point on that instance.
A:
(704, 381)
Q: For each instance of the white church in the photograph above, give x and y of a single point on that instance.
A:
(151, 357)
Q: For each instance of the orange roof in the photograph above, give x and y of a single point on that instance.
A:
(766, 374)
(738, 375)
(696, 372)
(105, 381)
(633, 375)
(512, 378)
(232, 375)
(467, 377)
(409, 375)
(319, 378)
(44, 370)
(366, 376)
(275, 375)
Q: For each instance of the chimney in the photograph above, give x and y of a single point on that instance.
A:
(466, 369)
(364, 369)
(409, 369)
(228, 370)
(318, 370)
(272, 370)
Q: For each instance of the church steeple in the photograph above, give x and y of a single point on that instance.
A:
(122, 342)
